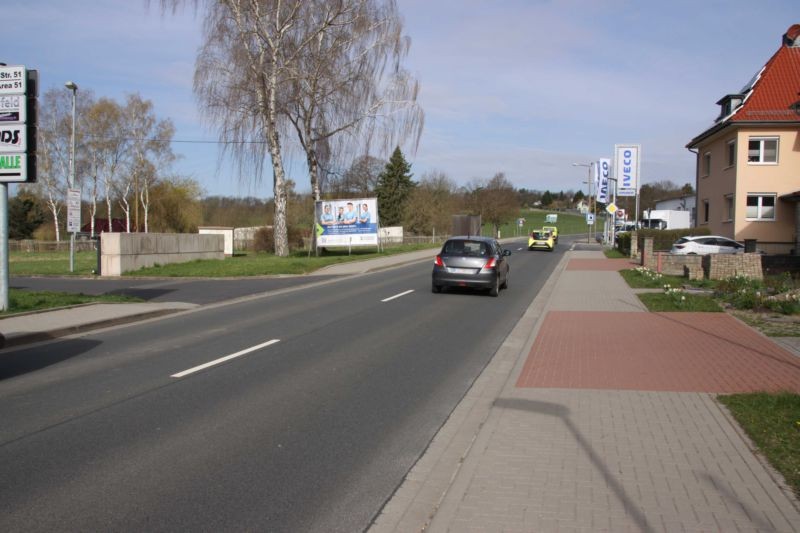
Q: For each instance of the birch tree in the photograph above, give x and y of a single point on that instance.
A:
(349, 83)
(108, 141)
(53, 153)
(250, 50)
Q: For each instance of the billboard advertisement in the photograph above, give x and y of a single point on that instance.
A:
(352, 222)
(627, 165)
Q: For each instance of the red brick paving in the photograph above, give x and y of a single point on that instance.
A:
(677, 352)
(601, 264)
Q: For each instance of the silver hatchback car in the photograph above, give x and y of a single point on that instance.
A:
(473, 262)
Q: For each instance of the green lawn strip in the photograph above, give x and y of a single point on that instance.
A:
(241, 264)
(658, 302)
(650, 280)
(613, 253)
(20, 301)
(772, 421)
(51, 263)
(263, 264)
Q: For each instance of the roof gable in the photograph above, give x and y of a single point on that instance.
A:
(772, 96)
(775, 93)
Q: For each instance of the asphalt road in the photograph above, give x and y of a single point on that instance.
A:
(345, 386)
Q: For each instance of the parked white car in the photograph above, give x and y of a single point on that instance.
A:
(706, 244)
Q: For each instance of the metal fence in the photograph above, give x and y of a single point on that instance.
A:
(29, 245)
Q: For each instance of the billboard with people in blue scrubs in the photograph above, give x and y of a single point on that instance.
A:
(347, 222)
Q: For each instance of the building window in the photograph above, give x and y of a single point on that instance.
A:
(731, 153)
(762, 150)
(706, 168)
(705, 211)
(760, 207)
(728, 208)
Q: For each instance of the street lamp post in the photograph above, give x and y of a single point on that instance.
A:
(71, 180)
(589, 188)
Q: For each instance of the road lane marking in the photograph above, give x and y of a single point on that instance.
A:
(397, 295)
(223, 359)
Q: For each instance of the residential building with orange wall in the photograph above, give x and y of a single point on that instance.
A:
(748, 161)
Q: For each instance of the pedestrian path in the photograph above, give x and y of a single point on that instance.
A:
(605, 420)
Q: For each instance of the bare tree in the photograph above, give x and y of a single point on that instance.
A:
(358, 180)
(149, 141)
(348, 82)
(250, 51)
(431, 205)
(495, 200)
(53, 152)
(109, 141)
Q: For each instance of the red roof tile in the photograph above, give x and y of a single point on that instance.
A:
(773, 95)
(775, 91)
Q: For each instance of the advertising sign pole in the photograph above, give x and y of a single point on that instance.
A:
(15, 147)
(4, 246)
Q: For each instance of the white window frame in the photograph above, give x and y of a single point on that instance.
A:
(761, 140)
(761, 196)
(730, 153)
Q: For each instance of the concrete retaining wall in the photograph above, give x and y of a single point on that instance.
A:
(226, 232)
(124, 252)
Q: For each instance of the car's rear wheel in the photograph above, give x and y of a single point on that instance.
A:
(495, 290)
(505, 283)
(436, 289)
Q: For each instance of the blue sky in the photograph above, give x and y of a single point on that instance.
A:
(522, 87)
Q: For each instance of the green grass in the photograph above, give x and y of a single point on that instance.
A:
(20, 301)
(568, 223)
(647, 279)
(658, 302)
(51, 263)
(613, 253)
(773, 423)
(263, 264)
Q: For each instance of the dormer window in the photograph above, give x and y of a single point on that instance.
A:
(729, 103)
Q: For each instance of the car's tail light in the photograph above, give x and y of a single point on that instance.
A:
(491, 263)
(438, 261)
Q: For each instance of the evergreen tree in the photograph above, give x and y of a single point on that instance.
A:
(547, 198)
(393, 189)
(25, 214)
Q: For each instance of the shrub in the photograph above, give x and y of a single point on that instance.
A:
(664, 239)
(624, 242)
(264, 239)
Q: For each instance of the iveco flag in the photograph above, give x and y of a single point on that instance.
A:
(627, 168)
(604, 170)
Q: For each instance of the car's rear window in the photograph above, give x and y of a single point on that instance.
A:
(464, 247)
(682, 240)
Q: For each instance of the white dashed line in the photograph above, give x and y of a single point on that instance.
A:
(397, 295)
(223, 359)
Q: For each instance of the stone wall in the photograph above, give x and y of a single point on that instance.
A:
(722, 266)
(715, 266)
(124, 252)
(778, 264)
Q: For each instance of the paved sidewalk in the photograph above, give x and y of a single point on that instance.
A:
(39, 326)
(563, 433)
